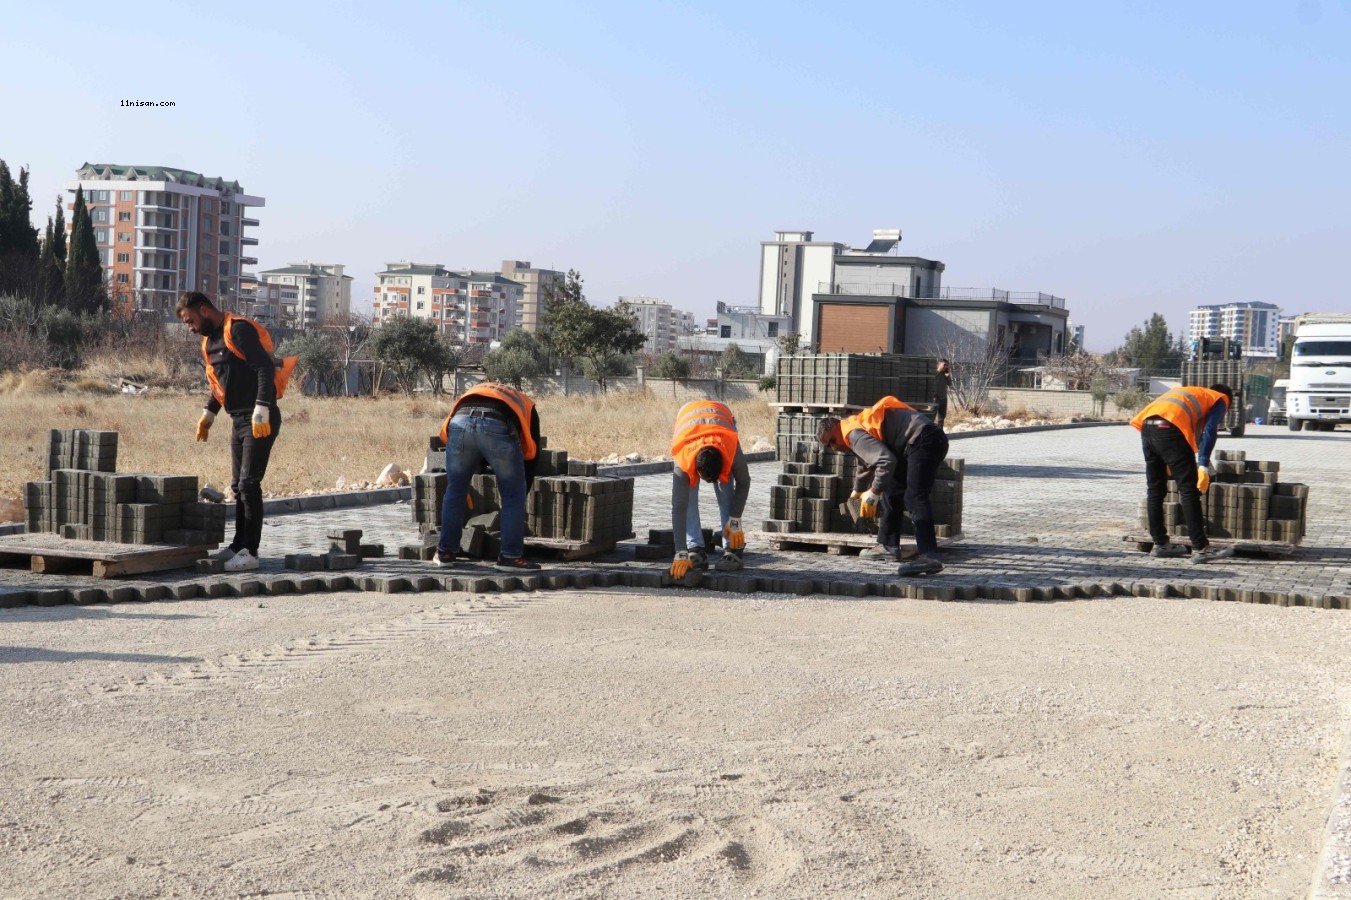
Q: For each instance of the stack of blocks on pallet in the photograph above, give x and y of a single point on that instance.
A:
(816, 482)
(843, 380)
(1205, 372)
(1246, 502)
(84, 498)
(567, 501)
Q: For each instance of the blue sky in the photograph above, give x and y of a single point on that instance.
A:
(1132, 157)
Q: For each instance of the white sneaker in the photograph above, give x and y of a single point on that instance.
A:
(224, 553)
(243, 561)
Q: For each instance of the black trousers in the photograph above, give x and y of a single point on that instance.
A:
(248, 465)
(910, 488)
(1166, 448)
(940, 409)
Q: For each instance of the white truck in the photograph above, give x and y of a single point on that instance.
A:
(1276, 402)
(1318, 397)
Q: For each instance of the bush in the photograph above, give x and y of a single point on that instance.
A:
(768, 383)
(510, 365)
(669, 365)
(1130, 400)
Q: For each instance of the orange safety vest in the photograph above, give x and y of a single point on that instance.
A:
(1185, 407)
(870, 420)
(281, 376)
(700, 424)
(519, 403)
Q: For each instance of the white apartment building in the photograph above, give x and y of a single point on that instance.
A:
(660, 322)
(309, 295)
(468, 307)
(535, 284)
(1255, 325)
(161, 231)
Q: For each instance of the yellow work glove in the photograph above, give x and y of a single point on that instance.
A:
(867, 505)
(204, 425)
(262, 420)
(1202, 479)
(681, 565)
(736, 538)
(854, 495)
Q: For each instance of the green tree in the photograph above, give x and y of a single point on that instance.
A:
(672, 366)
(317, 359)
(598, 338)
(790, 344)
(735, 363)
(516, 360)
(1152, 348)
(18, 238)
(409, 350)
(85, 291)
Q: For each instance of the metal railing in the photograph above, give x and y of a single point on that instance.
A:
(1028, 298)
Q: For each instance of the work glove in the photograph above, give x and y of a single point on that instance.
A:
(681, 565)
(867, 505)
(736, 538)
(262, 420)
(204, 425)
(1202, 479)
(854, 495)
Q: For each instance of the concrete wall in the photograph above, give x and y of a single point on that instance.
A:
(690, 389)
(1056, 403)
(927, 328)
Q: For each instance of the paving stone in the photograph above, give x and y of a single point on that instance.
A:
(248, 587)
(156, 592)
(338, 582)
(87, 596)
(187, 591)
(210, 566)
(280, 586)
(422, 583)
(124, 594)
(311, 585)
(217, 589)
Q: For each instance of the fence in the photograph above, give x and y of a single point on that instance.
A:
(568, 385)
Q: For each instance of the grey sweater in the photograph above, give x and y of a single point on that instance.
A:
(900, 429)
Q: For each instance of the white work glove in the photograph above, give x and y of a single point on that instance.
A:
(204, 424)
(262, 420)
(867, 505)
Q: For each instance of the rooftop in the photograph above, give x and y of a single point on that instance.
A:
(115, 172)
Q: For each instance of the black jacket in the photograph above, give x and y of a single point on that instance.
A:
(246, 381)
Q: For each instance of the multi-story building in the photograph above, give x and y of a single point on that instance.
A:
(161, 231)
(660, 322)
(536, 285)
(262, 302)
(312, 294)
(836, 298)
(467, 307)
(1255, 325)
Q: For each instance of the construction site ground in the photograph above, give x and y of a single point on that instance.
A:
(663, 742)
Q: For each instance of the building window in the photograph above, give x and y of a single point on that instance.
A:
(100, 235)
(421, 289)
(98, 196)
(122, 278)
(124, 237)
(124, 195)
(421, 305)
(124, 216)
(773, 329)
(725, 331)
(224, 246)
(100, 214)
(224, 227)
(224, 207)
(124, 257)
(208, 224)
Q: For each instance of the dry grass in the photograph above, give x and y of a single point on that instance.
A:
(321, 439)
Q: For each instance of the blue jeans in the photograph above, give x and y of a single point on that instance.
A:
(470, 440)
(694, 531)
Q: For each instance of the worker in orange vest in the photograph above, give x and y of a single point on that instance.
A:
(900, 450)
(497, 424)
(706, 447)
(1178, 432)
(246, 382)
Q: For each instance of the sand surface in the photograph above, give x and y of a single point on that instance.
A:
(612, 744)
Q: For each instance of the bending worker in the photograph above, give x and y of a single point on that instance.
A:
(499, 425)
(706, 447)
(246, 382)
(1178, 432)
(900, 450)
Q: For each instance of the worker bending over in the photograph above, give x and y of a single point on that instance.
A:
(1178, 432)
(499, 425)
(900, 451)
(706, 447)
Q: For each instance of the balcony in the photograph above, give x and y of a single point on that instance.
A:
(248, 241)
(248, 260)
(249, 223)
(1027, 298)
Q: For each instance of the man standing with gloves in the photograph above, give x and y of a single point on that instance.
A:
(1178, 432)
(900, 451)
(706, 447)
(246, 382)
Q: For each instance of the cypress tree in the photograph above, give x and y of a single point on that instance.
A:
(24, 235)
(84, 271)
(8, 192)
(51, 277)
(59, 231)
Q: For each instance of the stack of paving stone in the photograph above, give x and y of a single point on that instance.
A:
(838, 380)
(100, 504)
(1233, 372)
(566, 502)
(816, 482)
(1246, 502)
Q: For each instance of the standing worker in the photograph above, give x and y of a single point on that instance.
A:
(942, 381)
(499, 425)
(706, 447)
(1178, 431)
(900, 450)
(246, 382)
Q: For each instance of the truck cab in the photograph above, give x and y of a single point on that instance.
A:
(1276, 404)
(1319, 393)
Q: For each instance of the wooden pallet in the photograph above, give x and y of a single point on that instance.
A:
(837, 408)
(49, 554)
(837, 543)
(1262, 549)
(566, 550)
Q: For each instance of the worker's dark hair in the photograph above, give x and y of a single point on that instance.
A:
(944, 361)
(1226, 390)
(192, 300)
(824, 427)
(708, 463)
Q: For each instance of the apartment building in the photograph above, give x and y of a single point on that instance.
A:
(161, 231)
(536, 285)
(468, 307)
(660, 322)
(1255, 325)
(310, 294)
